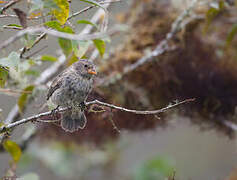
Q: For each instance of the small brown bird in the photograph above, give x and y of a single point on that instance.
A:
(70, 89)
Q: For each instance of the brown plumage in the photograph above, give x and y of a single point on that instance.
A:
(70, 89)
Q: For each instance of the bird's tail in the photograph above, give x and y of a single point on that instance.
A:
(73, 120)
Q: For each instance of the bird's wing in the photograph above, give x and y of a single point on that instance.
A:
(57, 83)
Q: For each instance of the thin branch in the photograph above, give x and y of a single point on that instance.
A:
(38, 39)
(15, 16)
(230, 125)
(90, 7)
(79, 37)
(34, 53)
(8, 5)
(46, 114)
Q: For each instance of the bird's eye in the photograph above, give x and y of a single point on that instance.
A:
(86, 66)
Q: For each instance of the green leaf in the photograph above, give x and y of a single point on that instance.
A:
(23, 98)
(3, 76)
(48, 58)
(87, 22)
(63, 12)
(54, 25)
(156, 168)
(13, 25)
(66, 44)
(80, 47)
(72, 60)
(93, 3)
(32, 73)
(231, 34)
(13, 149)
(100, 45)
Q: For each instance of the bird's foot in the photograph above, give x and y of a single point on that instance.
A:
(54, 112)
(82, 105)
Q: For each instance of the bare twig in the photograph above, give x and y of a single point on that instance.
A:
(90, 7)
(8, 5)
(33, 30)
(46, 114)
(38, 39)
(36, 52)
(230, 125)
(15, 16)
(14, 91)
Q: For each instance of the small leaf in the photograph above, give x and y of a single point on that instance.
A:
(32, 73)
(66, 44)
(63, 13)
(13, 25)
(54, 25)
(100, 45)
(48, 58)
(72, 60)
(87, 22)
(3, 76)
(93, 3)
(13, 149)
(23, 98)
(231, 34)
(80, 47)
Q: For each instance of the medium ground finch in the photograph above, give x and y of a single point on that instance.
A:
(70, 89)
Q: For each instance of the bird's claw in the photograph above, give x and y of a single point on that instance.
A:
(54, 112)
(82, 105)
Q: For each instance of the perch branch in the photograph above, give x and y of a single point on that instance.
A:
(46, 114)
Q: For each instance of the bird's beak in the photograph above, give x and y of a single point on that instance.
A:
(92, 71)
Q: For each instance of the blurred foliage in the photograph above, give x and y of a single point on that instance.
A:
(157, 168)
(231, 34)
(23, 98)
(13, 149)
(62, 12)
(217, 8)
(29, 176)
